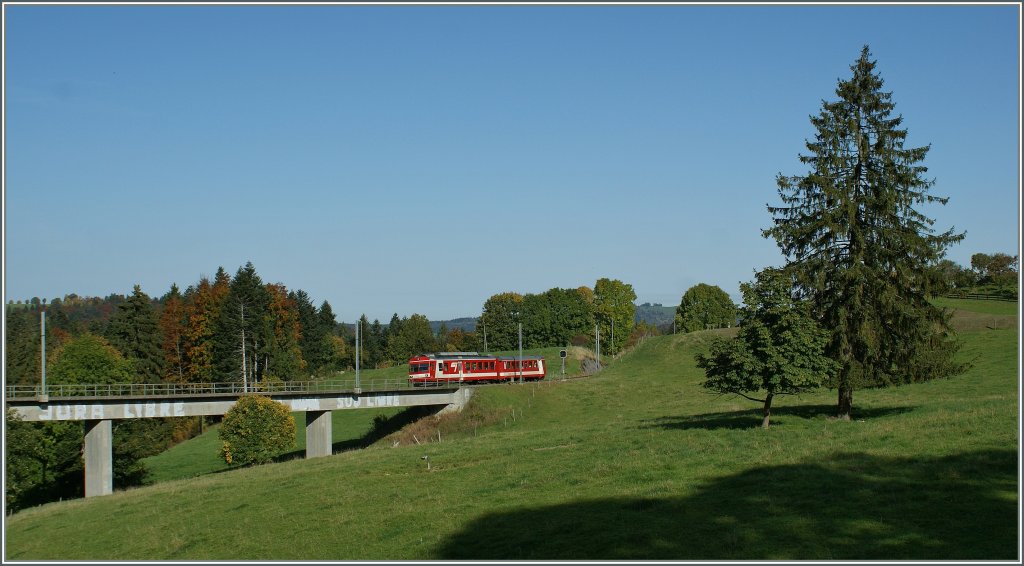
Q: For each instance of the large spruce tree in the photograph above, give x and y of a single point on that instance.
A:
(245, 329)
(135, 331)
(859, 247)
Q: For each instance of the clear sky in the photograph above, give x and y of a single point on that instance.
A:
(418, 159)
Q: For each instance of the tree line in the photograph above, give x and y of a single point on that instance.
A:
(560, 317)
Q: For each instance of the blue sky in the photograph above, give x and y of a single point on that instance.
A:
(418, 159)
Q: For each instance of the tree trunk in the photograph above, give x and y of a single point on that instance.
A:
(845, 402)
(767, 410)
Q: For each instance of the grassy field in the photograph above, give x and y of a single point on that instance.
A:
(634, 463)
(350, 429)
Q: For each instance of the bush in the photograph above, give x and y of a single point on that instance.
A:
(255, 430)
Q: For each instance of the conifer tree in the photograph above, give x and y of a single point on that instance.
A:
(135, 332)
(375, 344)
(245, 329)
(859, 248)
(316, 348)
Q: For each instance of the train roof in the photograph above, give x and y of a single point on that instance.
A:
(471, 356)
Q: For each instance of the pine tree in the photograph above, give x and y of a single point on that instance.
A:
(21, 347)
(316, 348)
(375, 344)
(364, 329)
(135, 332)
(859, 248)
(245, 329)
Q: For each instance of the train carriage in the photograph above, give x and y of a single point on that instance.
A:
(472, 367)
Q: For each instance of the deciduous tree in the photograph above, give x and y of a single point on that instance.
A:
(256, 429)
(89, 359)
(283, 356)
(501, 317)
(779, 349)
(704, 307)
(172, 326)
(613, 304)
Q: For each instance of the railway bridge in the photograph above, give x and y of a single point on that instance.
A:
(98, 405)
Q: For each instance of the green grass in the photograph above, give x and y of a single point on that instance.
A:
(200, 455)
(978, 306)
(635, 463)
(349, 429)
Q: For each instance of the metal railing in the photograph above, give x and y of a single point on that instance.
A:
(193, 389)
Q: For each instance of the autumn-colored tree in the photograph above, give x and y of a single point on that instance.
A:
(284, 357)
(172, 324)
(201, 314)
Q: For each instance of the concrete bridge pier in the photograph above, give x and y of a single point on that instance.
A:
(318, 434)
(99, 463)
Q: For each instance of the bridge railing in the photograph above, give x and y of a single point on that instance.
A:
(188, 389)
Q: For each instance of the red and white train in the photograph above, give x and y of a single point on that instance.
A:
(471, 367)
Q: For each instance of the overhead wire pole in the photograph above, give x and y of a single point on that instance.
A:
(359, 323)
(42, 325)
(520, 352)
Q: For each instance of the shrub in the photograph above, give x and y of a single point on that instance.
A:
(255, 430)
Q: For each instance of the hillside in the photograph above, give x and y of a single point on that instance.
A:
(635, 463)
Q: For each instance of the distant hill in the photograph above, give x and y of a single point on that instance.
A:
(655, 314)
(467, 324)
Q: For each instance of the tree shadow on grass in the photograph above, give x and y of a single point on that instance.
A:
(751, 418)
(848, 507)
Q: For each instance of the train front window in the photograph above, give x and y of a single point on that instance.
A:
(418, 368)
